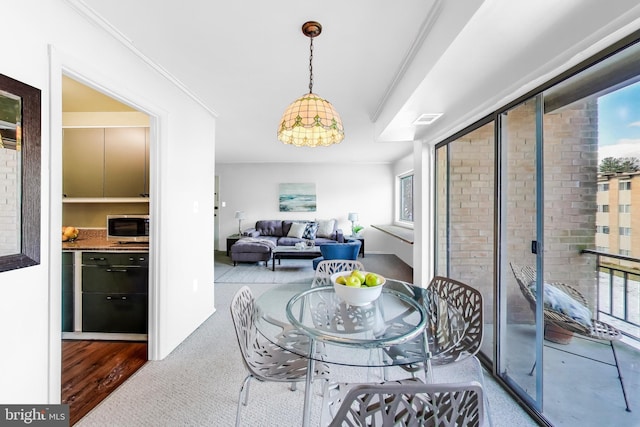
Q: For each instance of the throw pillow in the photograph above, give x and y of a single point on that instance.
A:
(558, 300)
(325, 227)
(297, 229)
(310, 231)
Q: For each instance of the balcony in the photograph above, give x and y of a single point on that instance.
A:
(581, 385)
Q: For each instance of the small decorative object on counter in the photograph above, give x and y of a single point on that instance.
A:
(69, 233)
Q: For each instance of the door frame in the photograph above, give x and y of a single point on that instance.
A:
(59, 64)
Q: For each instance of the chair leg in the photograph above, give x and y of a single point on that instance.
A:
(624, 392)
(486, 395)
(243, 397)
(293, 386)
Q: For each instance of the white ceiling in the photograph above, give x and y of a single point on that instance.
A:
(381, 63)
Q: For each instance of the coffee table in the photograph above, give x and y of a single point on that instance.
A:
(291, 252)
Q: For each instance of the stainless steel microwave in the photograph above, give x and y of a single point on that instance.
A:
(128, 228)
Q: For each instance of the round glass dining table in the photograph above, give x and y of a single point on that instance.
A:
(406, 325)
(293, 315)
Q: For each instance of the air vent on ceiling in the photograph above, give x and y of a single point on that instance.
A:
(426, 119)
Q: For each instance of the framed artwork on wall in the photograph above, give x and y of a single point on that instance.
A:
(297, 197)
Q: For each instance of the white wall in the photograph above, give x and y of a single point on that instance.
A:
(182, 198)
(403, 250)
(340, 189)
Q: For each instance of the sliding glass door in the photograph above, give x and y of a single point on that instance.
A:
(465, 216)
(520, 355)
(539, 196)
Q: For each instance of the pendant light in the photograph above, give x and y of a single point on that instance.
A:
(310, 120)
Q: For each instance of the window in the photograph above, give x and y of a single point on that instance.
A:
(604, 229)
(625, 231)
(624, 185)
(624, 252)
(603, 208)
(624, 208)
(603, 187)
(406, 198)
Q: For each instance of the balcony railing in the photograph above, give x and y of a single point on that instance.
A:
(618, 298)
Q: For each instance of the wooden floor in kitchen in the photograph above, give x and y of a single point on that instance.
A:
(91, 370)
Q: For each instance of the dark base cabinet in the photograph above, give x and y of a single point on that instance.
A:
(115, 279)
(124, 313)
(115, 292)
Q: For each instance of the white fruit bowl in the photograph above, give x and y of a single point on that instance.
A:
(356, 295)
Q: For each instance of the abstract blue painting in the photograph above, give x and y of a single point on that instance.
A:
(297, 197)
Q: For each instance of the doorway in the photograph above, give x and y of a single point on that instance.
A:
(95, 363)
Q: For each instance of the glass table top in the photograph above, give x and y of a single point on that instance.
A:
(393, 318)
(399, 322)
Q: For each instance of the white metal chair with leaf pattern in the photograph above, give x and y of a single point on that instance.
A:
(326, 268)
(468, 302)
(408, 403)
(264, 360)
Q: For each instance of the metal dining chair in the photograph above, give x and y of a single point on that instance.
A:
(467, 301)
(264, 360)
(407, 403)
(326, 268)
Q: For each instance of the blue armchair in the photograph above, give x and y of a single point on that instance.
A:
(347, 250)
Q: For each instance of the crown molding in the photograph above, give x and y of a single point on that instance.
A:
(425, 29)
(93, 17)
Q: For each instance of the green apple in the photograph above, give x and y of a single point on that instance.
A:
(353, 281)
(359, 274)
(341, 280)
(371, 280)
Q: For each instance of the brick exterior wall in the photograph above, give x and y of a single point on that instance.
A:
(614, 219)
(471, 213)
(571, 178)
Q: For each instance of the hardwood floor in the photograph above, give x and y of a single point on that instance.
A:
(91, 370)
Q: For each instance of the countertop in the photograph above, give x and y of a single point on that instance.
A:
(96, 240)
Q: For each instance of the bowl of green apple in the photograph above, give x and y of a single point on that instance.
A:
(357, 287)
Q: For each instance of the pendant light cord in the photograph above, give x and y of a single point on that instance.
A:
(311, 66)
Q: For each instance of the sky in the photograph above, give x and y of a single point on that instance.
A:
(619, 123)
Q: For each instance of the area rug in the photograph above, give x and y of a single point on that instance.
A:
(301, 270)
(289, 271)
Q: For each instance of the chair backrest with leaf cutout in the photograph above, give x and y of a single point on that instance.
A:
(417, 404)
